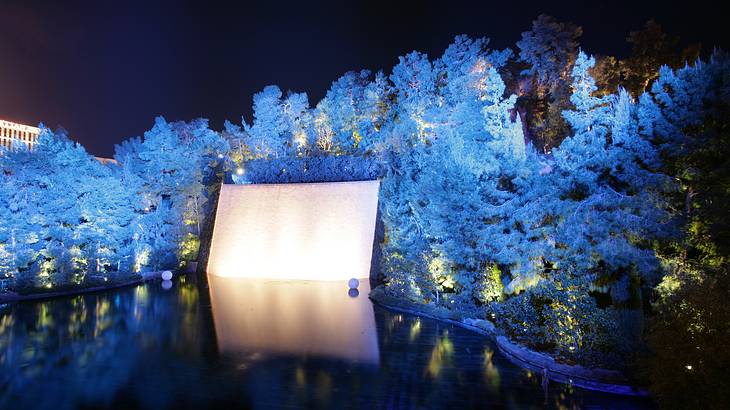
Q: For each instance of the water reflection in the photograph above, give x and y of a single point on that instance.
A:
(293, 317)
(150, 348)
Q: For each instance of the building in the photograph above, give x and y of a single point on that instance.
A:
(106, 161)
(11, 132)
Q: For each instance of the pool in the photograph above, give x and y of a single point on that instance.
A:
(251, 343)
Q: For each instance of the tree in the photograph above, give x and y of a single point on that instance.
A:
(108, 218)
(450, 183)
(686, 112)
(549, 50)
(607, 75)
(689, 336)
(352, 113)
(586, 223)
(609, 189)
(415, 87)
(167, 171)
(405, 247)
(67, 215)
(299, 122)
(651, 49)
(20, 227)
(268, 132)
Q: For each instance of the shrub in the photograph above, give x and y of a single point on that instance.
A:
(320, 168)
(560, 316)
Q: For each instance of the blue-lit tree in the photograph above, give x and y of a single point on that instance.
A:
(405, 248)
(687, 111)
(166, 171)
(299, 123)
(549, 48)
(281, 126)
(609, 184)
(349, 118)
(67, 215)
(108, 219)
(466, 152)
(587, 223)
(21, 223)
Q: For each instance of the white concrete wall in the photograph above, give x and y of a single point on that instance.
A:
(320, 231)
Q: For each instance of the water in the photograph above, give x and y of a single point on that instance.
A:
(255, 344)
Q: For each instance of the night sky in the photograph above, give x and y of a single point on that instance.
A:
(104, 70)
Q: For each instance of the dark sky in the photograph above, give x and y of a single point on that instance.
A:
(104, 70)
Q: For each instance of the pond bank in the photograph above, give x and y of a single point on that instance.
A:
(11, 297)
(603, 380)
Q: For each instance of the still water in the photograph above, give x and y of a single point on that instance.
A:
(256, 344)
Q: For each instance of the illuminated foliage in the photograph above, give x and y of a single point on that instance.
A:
(465, 149)
(479, 222)
(315, 168)
(167, 172)
(561, 242)
(70, 220)
(561, 317)
(689, 338)
(352, 113)
(687, 111)
(65, 215)
(549, 49)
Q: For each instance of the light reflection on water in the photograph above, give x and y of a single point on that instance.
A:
(145, 347)
(293, 317)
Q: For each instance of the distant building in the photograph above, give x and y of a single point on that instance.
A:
(106, 161)
(12, 132)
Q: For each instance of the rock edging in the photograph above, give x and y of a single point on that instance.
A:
(603, 380)
(11, 297)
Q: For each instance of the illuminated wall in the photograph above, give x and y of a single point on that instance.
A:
(293, 317)
(320, 231)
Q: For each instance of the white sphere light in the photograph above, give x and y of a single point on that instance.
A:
(166, 275)
(353, 283)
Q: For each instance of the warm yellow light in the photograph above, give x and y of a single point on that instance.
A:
(293, 317)
(300, 138)
(318, 231)
(239, 171)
